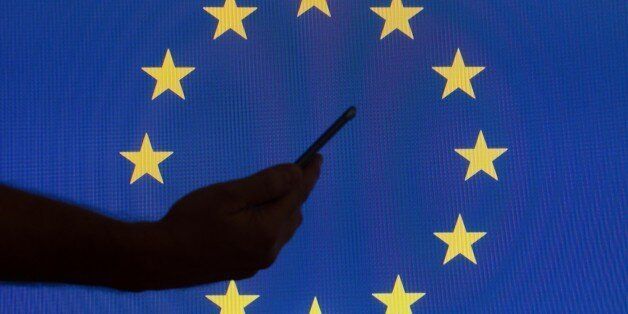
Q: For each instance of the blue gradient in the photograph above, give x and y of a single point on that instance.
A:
(554, 92)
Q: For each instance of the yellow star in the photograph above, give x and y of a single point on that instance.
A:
(458, 76)
(146, 161)
(315, 309)
(232, 302)
(230, 16)
(397, 17)
(168, 76)
(459, 241)
(398, 301)
(321, 5)
(481, 157)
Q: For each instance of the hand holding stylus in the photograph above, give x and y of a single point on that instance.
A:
(231, 230)
(224, 231)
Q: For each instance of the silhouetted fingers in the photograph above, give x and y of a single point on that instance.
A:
(291, 226)
(280, 210)
(310, 176)
(264, 186)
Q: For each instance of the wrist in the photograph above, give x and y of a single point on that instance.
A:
(146, 251)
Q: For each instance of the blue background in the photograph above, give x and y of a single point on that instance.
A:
(73, 96)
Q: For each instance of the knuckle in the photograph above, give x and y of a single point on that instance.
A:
(245, 275)
(266, 241)
(296, 218)
(263, 252)
(262, 240)
(267, 260)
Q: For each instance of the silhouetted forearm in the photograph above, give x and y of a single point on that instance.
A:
(223, 231)
(44, 240)
(49, 241)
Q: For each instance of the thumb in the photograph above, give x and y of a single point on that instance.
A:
(265, 185)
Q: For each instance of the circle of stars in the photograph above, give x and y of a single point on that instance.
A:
(397, 17)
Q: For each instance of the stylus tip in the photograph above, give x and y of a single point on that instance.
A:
(350, 113)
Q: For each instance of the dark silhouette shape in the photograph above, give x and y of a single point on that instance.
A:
(307, 156)
(225, 231)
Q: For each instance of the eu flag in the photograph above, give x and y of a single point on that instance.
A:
(485, 172)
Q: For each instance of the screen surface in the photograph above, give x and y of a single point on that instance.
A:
(523, 143)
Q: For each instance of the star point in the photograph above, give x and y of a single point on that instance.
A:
(321, 5)
(397, 17)
(168, 76)
(230, 17)
(481, 158)
(315, 309)
(398, 301)
(459, 241)
(458, 76)
(232, 302)
(146, 161)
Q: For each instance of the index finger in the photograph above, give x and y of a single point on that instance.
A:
(281, 209)
(264, 186)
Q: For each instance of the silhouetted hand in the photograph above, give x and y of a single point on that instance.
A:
(231, 230)
(224, 231)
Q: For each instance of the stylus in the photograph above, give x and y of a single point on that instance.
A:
(325, 137)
